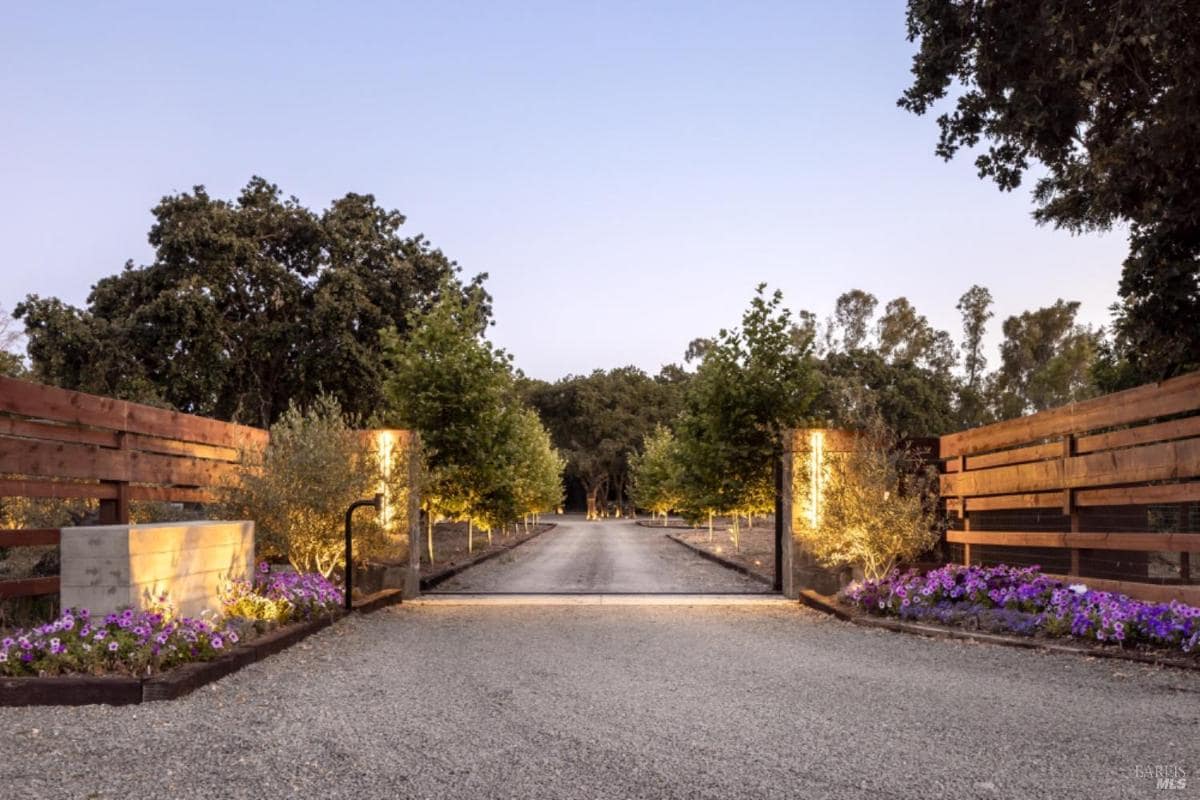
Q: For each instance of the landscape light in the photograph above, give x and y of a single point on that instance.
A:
(385, 442)
(816, 448)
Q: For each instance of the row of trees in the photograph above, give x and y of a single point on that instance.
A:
(890, 372)
(752, 383)
(716, 423)
(598, 421)
(488, 458)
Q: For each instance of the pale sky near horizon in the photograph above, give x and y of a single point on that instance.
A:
(626, 172)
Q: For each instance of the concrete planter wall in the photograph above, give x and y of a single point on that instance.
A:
(109, 567)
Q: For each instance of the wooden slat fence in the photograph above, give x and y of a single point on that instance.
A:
(56, 443)
(1085, 470)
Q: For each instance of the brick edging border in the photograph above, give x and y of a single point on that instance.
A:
(828, 606)
(120, 690)
(445, 573)
(724, 562)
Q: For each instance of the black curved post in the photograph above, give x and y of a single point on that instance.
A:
(377, 504)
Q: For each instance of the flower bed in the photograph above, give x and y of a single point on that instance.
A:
(1023, 601)
(138, 643)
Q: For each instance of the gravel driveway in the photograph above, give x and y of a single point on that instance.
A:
(601, 556)
(625, 702)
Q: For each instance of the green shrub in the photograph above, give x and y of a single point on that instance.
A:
(297, 489)
(877, 504)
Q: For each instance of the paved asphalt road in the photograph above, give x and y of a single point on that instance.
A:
(590, 702)
(601, 556)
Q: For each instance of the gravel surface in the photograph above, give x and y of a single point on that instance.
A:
(600, 556)
(625, 702)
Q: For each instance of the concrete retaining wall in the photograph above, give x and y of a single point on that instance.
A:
(109, 567)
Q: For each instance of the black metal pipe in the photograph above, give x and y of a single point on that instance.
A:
(377, 504)
(777, 582)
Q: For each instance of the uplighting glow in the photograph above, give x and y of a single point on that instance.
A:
(385, 443)
(816, 448)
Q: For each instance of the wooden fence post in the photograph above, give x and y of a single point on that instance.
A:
(963, 513)
(115, 511)
(413, 584)
(1068, 450)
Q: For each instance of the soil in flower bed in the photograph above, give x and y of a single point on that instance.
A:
(450, 543)
(756, 551)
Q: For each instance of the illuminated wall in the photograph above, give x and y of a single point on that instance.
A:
(106, 568)
(808, 465)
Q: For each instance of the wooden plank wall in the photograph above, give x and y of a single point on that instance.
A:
(56, 443)
(1138, 447)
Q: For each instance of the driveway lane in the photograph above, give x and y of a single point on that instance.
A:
(601, 556)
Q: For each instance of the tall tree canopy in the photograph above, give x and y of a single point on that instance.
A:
(248, 305)
(599, 421)
(903, 373)
(754, 382)
(455, 388)
(1045, 361)
(488, 459)
(975, 305)
(1103, 93)
(11, 363)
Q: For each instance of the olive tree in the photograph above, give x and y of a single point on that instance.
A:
(877, 504)
(297, 488)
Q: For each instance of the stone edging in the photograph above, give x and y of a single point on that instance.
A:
(120, 690)
(450, 570)
(724, 562)
(829, 606)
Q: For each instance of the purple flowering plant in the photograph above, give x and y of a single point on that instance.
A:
(1022, 600)
(143, 642)
(129, 642)
(279, 597)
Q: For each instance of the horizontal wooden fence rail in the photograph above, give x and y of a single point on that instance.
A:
(1095, 462)
(61, 444)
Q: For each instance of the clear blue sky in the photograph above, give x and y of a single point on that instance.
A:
(626, 172)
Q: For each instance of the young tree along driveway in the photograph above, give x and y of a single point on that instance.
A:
(601, 556)
(623, 702)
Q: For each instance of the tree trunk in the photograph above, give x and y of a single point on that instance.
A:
(593, 498)
(490, 536)
(710, 531)
(470, 537)
(737, 539)
(429, 517)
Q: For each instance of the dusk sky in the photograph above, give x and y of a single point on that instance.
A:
(626, 173)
